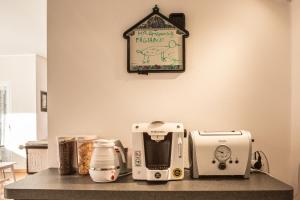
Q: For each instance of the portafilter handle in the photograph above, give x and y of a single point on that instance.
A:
(121, 152)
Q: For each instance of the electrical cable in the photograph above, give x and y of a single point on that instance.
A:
(125, 174)
(259, 165)
(268, 168)
(256, 170)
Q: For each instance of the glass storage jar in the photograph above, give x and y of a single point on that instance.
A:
(84, 153)
(67, 155)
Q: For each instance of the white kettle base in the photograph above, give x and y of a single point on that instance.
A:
(104, 176)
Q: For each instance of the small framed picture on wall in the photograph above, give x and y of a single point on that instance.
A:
(43, 101)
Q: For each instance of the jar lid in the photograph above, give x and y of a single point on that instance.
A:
(87, 137)
(104, 143)
(65, 138)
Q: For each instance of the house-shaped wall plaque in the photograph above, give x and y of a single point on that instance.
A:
(156, 44)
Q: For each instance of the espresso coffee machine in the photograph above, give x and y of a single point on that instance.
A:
(157, 151)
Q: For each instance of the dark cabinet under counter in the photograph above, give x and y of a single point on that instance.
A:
(48, 184)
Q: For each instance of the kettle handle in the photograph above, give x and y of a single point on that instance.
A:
(122, 153)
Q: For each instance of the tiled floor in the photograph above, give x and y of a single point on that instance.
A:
(19, 176)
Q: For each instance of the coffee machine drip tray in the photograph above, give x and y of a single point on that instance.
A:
(157, 167)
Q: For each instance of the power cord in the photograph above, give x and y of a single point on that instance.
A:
(126, 173)
(264, 155)
(260, 171)
(257, 163)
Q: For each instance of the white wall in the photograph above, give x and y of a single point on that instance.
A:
(23, 27)
(19, 73)
(237, 77)
(295, 123)
(41, 85)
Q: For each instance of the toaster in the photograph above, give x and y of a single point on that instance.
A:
(220, 153)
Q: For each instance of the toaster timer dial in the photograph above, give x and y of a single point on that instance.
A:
(222, 153)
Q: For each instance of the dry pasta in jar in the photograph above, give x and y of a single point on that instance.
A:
(84, 151)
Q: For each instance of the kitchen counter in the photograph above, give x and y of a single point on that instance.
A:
(48, 184)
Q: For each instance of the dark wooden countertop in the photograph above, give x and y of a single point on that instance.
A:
(49, 184)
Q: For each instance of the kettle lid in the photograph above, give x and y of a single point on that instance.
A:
(104, 143)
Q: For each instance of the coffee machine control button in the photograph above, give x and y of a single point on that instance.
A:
(137, 162)
(137, 153)
(157, 175)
